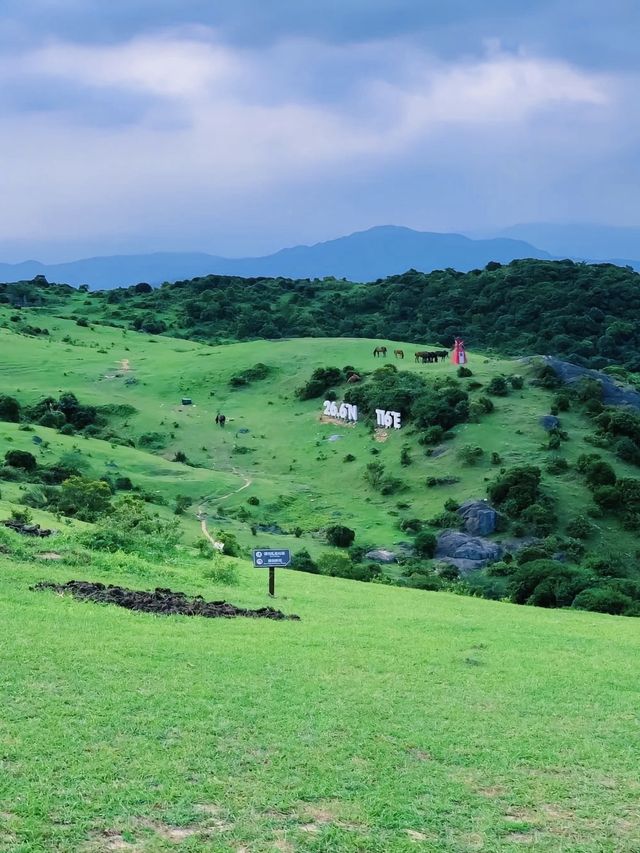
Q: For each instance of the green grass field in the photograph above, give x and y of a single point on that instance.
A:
(387, 719)
(285, 457)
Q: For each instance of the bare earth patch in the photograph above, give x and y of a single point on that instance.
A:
(327, 419)
(111, 841)
(49, 555)
(381, 435)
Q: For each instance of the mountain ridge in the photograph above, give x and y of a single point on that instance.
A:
(362, 256)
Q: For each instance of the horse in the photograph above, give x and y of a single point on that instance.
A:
(444, 354)
(380, 351)
(399, 353)
(354, 377)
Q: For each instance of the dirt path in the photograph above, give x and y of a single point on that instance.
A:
(201, 514)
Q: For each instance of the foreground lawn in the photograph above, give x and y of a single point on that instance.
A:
(385, 720)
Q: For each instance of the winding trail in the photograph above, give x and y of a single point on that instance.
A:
(201, 514)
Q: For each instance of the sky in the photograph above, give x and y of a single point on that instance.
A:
(238, 127)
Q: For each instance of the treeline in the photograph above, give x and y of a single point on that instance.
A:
(583, 313)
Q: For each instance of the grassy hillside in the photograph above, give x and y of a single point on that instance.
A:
(577, 311)
(385, 720)
(295, 470)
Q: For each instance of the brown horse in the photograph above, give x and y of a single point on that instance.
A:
(399, 353)
(380, 351)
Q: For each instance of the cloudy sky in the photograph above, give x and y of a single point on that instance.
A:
(241, 126)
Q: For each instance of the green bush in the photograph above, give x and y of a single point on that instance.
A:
(9, 409)
(547, 583)
(302, 562)
(425, 544)
(498, 387)
(579, 527)
(340, 536)
(468, 454)
(515, 489)
(21, 459)
(603, 599)
(464, 372)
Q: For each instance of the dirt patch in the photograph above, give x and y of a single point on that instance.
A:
(170, 833)
(49, 555)
(381, 435)
(111, 841)
(414, 835)
(327, 419)
(161, 601)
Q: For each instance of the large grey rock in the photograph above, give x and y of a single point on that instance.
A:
(379, 555)
(480, 518)
(613, 393)
(475, 552)
(549, 422)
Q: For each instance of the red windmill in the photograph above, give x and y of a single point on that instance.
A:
(459, 355)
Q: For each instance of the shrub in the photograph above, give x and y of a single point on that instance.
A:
(516, 488)
(469, 455)
(498, 387)
(558, 465)
(579, 527)
(340, 536)
(496, 459)
(123, 484)
(180, 456)
(425, 544)
(349, 458)
(253, 500)
(230, 545)
(603, 599)
(405, 456)
(546, 583)
(599, 473)
(302, 562)
(464, 372)
(410, 525)
(432, 435)
(183, 502)
(9, 409)
(84, 498)
(21, 459)
(336, 565)
(516, 382)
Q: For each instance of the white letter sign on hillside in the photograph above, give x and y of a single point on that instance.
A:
(388, 419)
(342, 411)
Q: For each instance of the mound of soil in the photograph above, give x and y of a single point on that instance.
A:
(163, 602)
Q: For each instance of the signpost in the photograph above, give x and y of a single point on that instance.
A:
(271, 558)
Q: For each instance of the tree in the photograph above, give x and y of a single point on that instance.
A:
(9, 409)
(340, 536)
(425, 544)
(85, 499)
(21, 459)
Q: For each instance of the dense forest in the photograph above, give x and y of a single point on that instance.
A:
(585, 313)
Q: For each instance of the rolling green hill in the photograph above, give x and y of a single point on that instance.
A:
(388, 718)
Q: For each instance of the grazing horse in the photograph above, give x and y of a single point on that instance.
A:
(399, 353)
(380, 351)
(444, 354)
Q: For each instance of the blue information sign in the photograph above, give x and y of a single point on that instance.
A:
(269, 558)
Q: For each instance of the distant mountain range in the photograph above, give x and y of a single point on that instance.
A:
(363, 256)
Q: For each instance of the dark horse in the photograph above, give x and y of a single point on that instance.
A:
(380, 351)
(399, 353)
(431, 356)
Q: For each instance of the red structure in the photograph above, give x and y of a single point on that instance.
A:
(459, 355)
